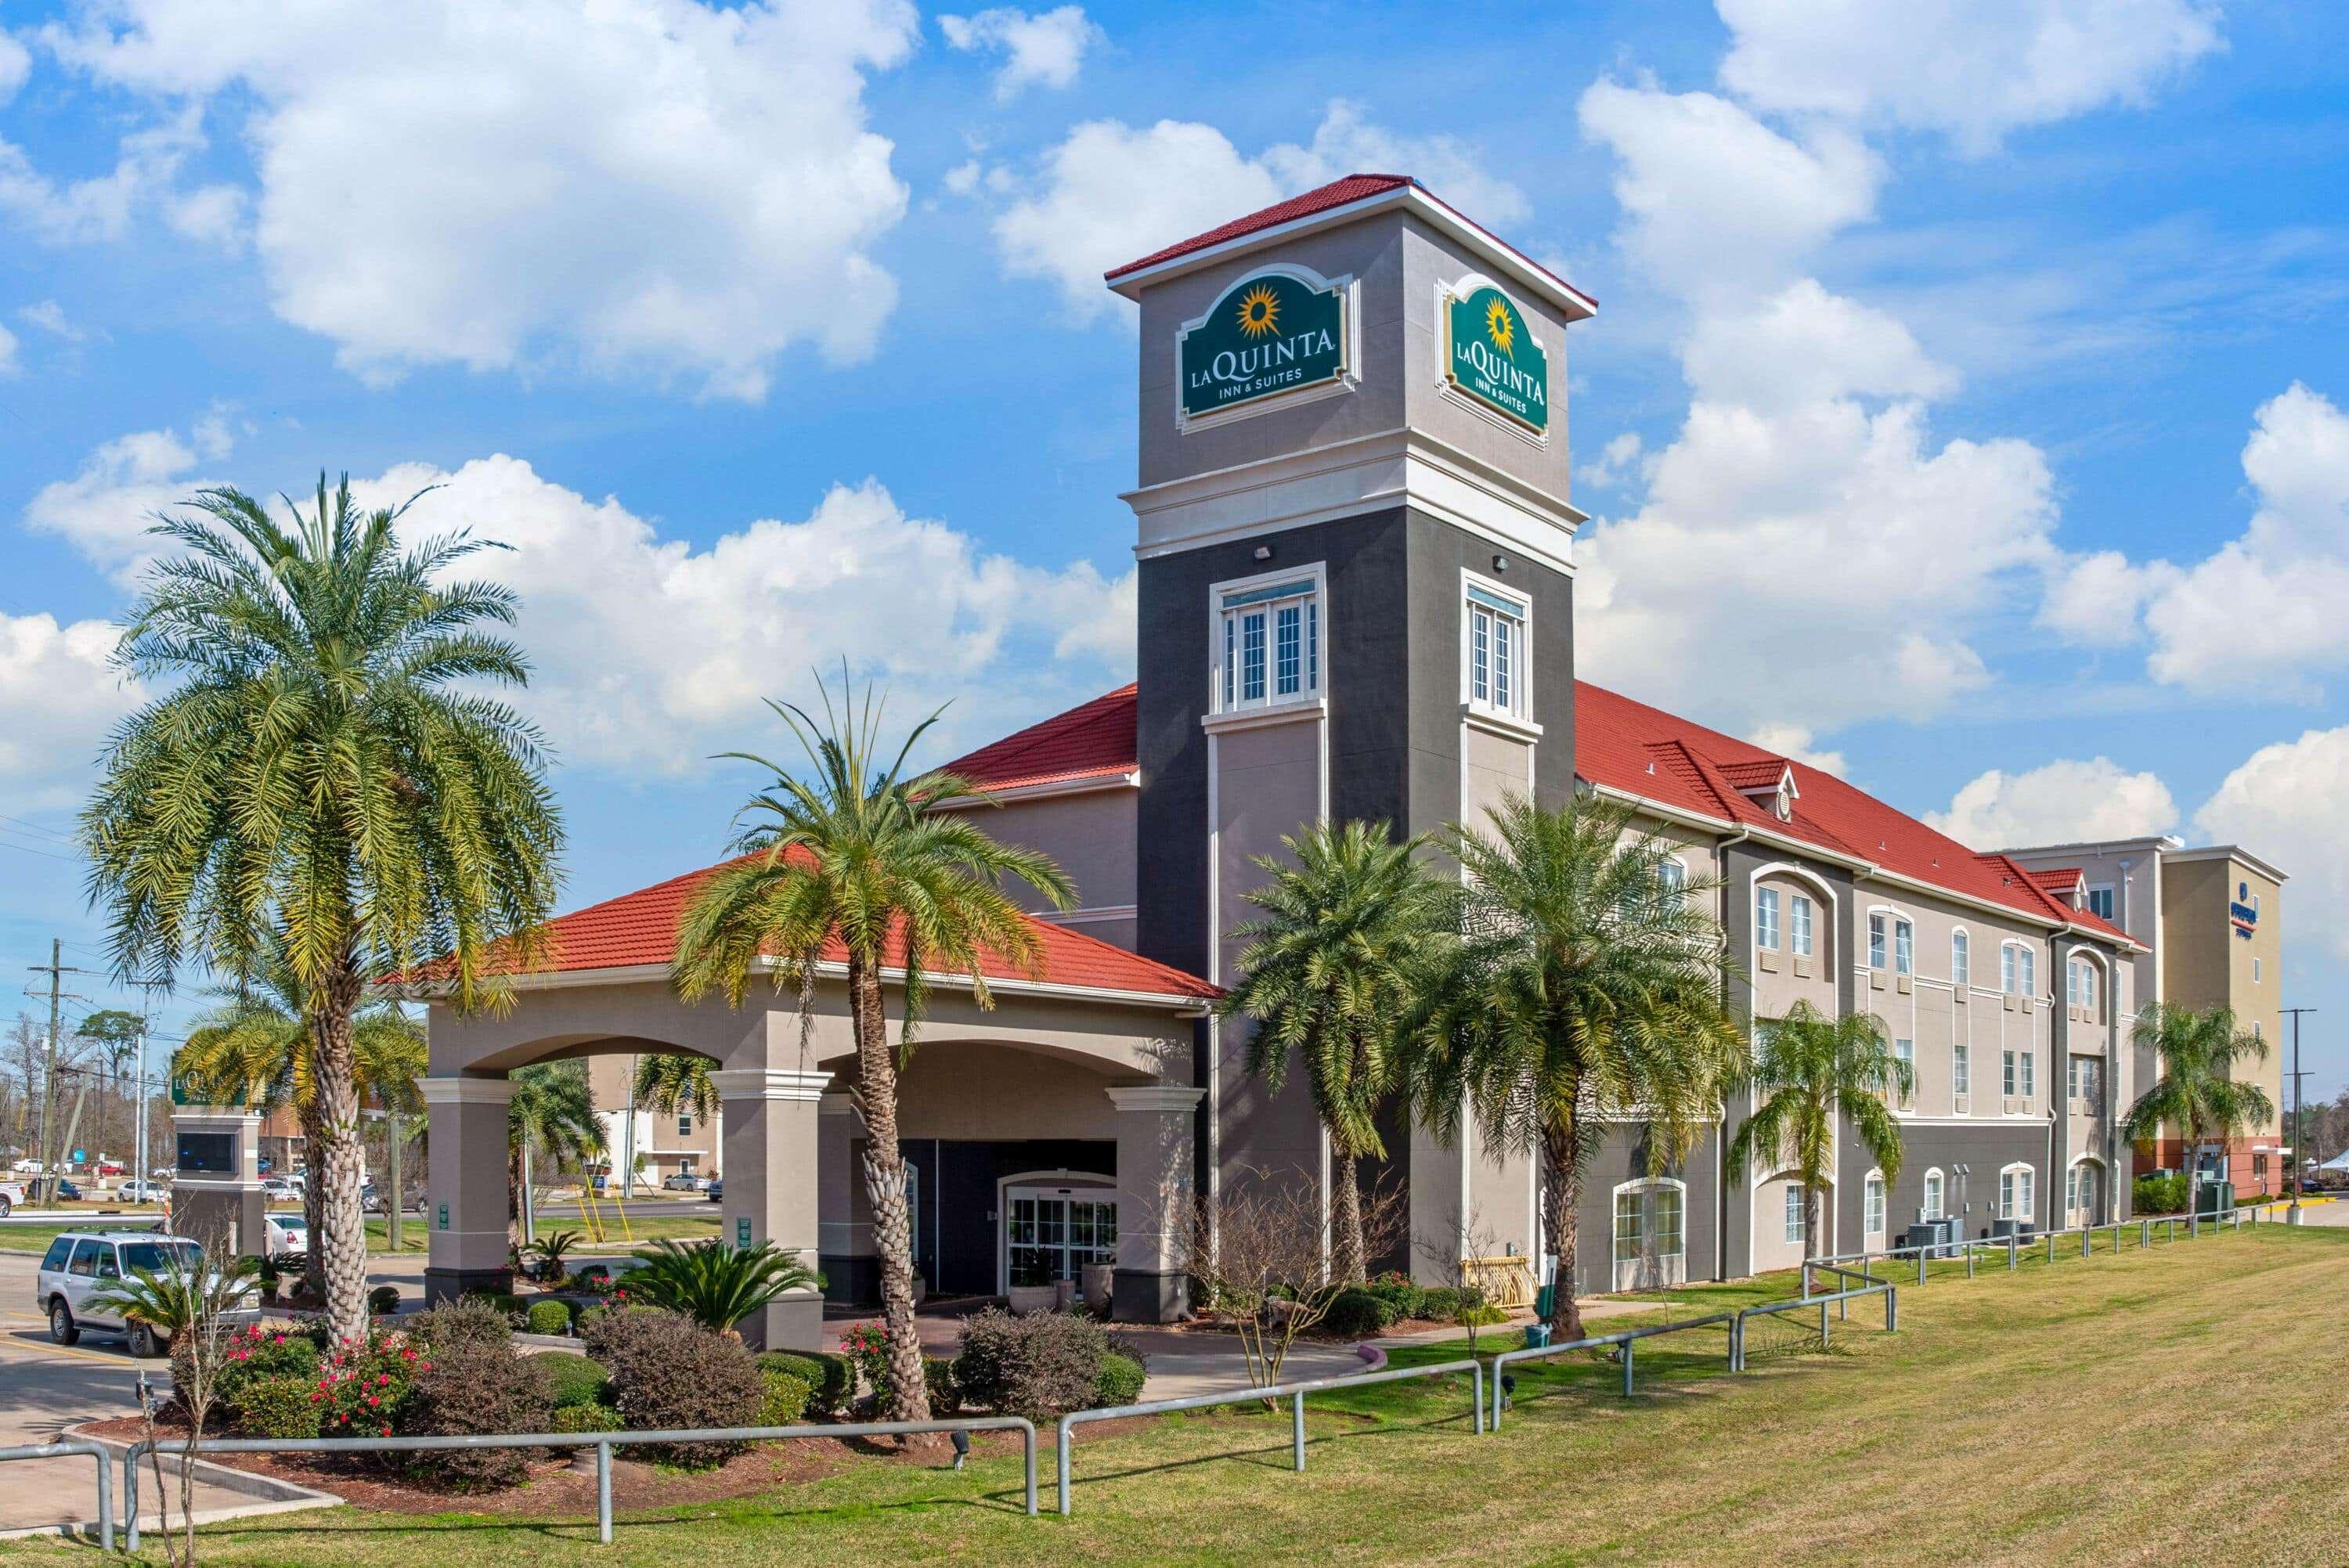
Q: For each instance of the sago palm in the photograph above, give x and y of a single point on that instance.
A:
(2197, 1092)
(254, 1049)
(1584, 989)
(1808, 1071)
(551, 1113)
(323, 764)
(1325, 977)
(851, 858)
(717, 1286)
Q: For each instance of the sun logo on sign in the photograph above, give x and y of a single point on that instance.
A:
(1500, 327)
(1260, 311)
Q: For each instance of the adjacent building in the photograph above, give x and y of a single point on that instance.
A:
(2209, 921)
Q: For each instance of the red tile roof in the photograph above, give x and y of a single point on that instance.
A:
(1095, 740)
(1340, 192)
(2062, 883)
(1641, 750)
(640, 928)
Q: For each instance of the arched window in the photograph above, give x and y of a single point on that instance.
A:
(1872, 1207)
(1651, 1234)
(1961, 963)
(1934, 1187)
(2016, 1193)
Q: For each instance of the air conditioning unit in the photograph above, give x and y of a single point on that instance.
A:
(2020, 1230)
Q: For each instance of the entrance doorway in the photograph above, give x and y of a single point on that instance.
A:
(1052, 1232)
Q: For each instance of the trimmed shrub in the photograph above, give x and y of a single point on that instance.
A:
(475, 1320)
(384, 1300)
(1120, 1382)
(281, 1407)
(255, 1353)
(585, 1419)
(667, 1372)
(551, 1317)
(2159, 1195)
(472, 1387)
(1441, 1303)
(364, 1390)
(1402, 1297)
(1040, 1365)
(574, 1380)
(827, 1377)
(1356, 1313)
(786, 1399)
(945, 1388)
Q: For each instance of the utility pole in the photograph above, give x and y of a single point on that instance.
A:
(57, 969)
(138, 1167)
(2299, 1108)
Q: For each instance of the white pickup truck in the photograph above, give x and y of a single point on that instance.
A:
(12, 1197)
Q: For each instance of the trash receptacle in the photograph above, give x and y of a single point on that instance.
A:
(1536, 1336)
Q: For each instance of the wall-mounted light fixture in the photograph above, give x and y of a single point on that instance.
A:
(1500, 563)
(1264, 552)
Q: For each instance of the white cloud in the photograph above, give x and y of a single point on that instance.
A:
(1110, 192)
(1616, 461)
(1972, 70)
(1793, 740)
(652, 651)
(102, 207)
(1803, 345)
(1716, 202)
(641, 187)
(59, 696)
(2062, 802)
(2286, 804)
(2264, 611)
(15, 65)
(7, 352)
(50, 317)
(1046, 49)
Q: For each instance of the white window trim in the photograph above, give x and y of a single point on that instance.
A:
(1643, 1184)
(2030, 1207)
(1867, 934)
(1935, 1181)
(1316, 574)
(2096, 888)
(1776, 923)
(2025, 955)
(1804, 931)
(1520, 709)
(1790, 868)
(1962, 982)
(1797, 1216)
(1875, 1178)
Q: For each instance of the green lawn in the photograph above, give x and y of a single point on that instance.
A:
(2124, 1410)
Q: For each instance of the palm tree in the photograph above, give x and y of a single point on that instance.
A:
(552, 1113)
(323, 766)
(254, 1049)
(1585, 987)
(1810, 1070)
(1325, 976)
(856, 859)
(2197, 1092)
(667, 1083)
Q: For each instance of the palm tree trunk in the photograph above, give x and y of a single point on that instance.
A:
(333, 1071)
(1810, 1225)
(884, 1184)
(1347, 1261)
(313, 1205)
(1562, 1182)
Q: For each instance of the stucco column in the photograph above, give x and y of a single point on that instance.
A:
(225, 1210)
(1153, 1201)
(465, 1190)
(852, 1266)
(771, 1154)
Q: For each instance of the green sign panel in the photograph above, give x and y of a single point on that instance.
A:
(742, 1232)
(1493, 357)
(1269, 336)
(443, 1216)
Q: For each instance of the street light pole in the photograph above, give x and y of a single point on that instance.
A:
(2299, 1108)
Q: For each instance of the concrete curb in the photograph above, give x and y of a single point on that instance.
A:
(270, 1494)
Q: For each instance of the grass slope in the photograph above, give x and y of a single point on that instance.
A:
(2100, 1412)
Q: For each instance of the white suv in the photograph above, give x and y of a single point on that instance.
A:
(82, 1264)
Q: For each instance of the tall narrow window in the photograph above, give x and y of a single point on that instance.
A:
(1496, 651)
(1932, 1194)
(2071, 984)
(1796, 1226)
(1904, 947)
(1876, 942)
(1799, 926)
(1961, 961)
(2006, 969)
(2030, 1066)
(1905, 1053)
(2026, 963)
(1765, 918)
(1269, 645)
(2007, 1077)
(1872, 1216)
(1962, 1069)
(1672, 874)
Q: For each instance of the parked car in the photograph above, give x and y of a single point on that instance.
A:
(26, 1167)
(137, 1191)
(11, 1194)
(371, 1200)
(110, 1167)
(68, 1193)
(715, 1190)
(278, 1190)
(289, 1239)
(686, 1181)
(81, 1264)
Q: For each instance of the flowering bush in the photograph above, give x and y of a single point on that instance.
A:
(255, 1353)
(364, 1388)
(866, 1346)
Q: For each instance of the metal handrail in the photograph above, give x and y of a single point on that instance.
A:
(1885, 1288)
(1293, 1392)
(1594, 1342)
(67, 1450)
(601, 1443)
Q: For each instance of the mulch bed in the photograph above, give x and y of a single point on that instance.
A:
(553, 1488)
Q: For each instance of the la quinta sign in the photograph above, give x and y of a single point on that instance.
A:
(1270, 334)
(1490, 354)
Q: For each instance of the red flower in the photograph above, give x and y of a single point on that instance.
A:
(386, 1431)
(373, 1400)
(381, 1378)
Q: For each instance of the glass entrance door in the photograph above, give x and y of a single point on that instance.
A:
(1052, 1232)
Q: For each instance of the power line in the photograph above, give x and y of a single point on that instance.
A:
(35, 827)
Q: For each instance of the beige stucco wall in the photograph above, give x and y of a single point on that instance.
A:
(2206, 964)
(1091, 836)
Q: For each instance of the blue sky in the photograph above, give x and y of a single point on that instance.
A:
(1965, 409)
